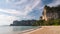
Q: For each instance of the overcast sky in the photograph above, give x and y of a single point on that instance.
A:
(11, 10)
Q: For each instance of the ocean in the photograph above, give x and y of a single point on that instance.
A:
(15, 29)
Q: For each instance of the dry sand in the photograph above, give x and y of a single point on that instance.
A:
(46, 30)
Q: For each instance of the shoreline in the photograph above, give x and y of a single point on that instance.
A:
(29, 30)
(45, 30)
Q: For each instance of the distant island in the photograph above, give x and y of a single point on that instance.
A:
(50, 16)
(23, 23)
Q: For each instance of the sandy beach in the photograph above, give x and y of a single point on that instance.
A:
(45, 30)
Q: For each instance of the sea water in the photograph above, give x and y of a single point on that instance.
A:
(14, 29)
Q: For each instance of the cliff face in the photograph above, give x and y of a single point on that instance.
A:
(51, 13)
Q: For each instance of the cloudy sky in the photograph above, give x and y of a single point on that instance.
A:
(11, 10)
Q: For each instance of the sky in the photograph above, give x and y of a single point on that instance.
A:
(11, 10)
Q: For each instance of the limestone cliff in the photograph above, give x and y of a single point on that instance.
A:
(51, 13)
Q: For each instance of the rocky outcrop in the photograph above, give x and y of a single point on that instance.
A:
(51, 13)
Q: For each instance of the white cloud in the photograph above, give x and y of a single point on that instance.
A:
(28, 7)
(13, 12)
(55, 3)
(21, 2)
(6, 20)
(28, 17)
(7, 1)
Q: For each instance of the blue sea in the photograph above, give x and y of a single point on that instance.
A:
(14, 29)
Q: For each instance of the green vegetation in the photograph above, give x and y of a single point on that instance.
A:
(39, 23)
(54, 22)
(49, 22)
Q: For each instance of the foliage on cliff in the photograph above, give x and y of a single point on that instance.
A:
(47, 23)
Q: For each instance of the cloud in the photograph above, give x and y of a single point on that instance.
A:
(55, 3)
(30, 7)
(7, 1)
(13, 12)
(18, 10)
(27, 9)
(6, 20)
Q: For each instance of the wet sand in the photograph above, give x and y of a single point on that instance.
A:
(23, 32)
(45, 30)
